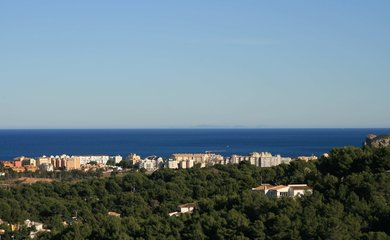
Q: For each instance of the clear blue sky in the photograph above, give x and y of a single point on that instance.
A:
(141, 64)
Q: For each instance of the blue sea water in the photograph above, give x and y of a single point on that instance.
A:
(164, 142)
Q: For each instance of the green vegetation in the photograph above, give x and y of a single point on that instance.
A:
(350, 201)
(62, 175)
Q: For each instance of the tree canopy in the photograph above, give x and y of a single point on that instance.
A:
(350, 201)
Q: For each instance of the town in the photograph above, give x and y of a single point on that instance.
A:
(181, 188)
(149, 164)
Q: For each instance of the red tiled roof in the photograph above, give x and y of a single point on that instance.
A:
(263, 187)
(278, 187)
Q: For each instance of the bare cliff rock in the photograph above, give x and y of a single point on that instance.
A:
(377, 141)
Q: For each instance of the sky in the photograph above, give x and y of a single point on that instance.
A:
(185, 64)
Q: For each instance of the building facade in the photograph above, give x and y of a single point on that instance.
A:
(73, 163)
(188, 160)
(260, 159)
(100, 159)
(291, 190)
(151, 163)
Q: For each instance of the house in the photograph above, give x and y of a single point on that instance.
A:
(263, 187)
(291, 190)
(278, 191)
(296, 190)
(187, 207)
(114, 214)
(184, 208)
(38, 227)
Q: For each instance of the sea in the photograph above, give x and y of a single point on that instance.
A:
(164, 142)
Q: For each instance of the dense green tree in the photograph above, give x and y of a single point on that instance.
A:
(350, 201)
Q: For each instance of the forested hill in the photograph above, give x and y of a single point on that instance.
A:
(350, 201)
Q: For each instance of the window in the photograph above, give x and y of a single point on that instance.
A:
(284, 194)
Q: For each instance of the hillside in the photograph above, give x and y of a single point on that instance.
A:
(350, 200)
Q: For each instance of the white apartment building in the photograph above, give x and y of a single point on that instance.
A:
(48, 167)
(100, 159)
(236, 159)
(260, 159)
(117, 158)
(43, 160)
(134, 158)
(186, 164)
(273, 161)
(172, 164)
(151, 163)
(188, 160)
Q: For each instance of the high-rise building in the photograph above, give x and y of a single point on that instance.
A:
(73, 163)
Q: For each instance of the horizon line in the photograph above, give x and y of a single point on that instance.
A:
(194, 128)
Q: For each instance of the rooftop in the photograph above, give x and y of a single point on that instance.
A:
(187, 205)
(262, 187)
(189, 154)
(113, 214)
(299, 187)
(278, 187)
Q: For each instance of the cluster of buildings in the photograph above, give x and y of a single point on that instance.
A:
(150, 164)
(291, 190)
(261, 159)
(39, 227)
(62, 162)
(189, 160)
(279, 191)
